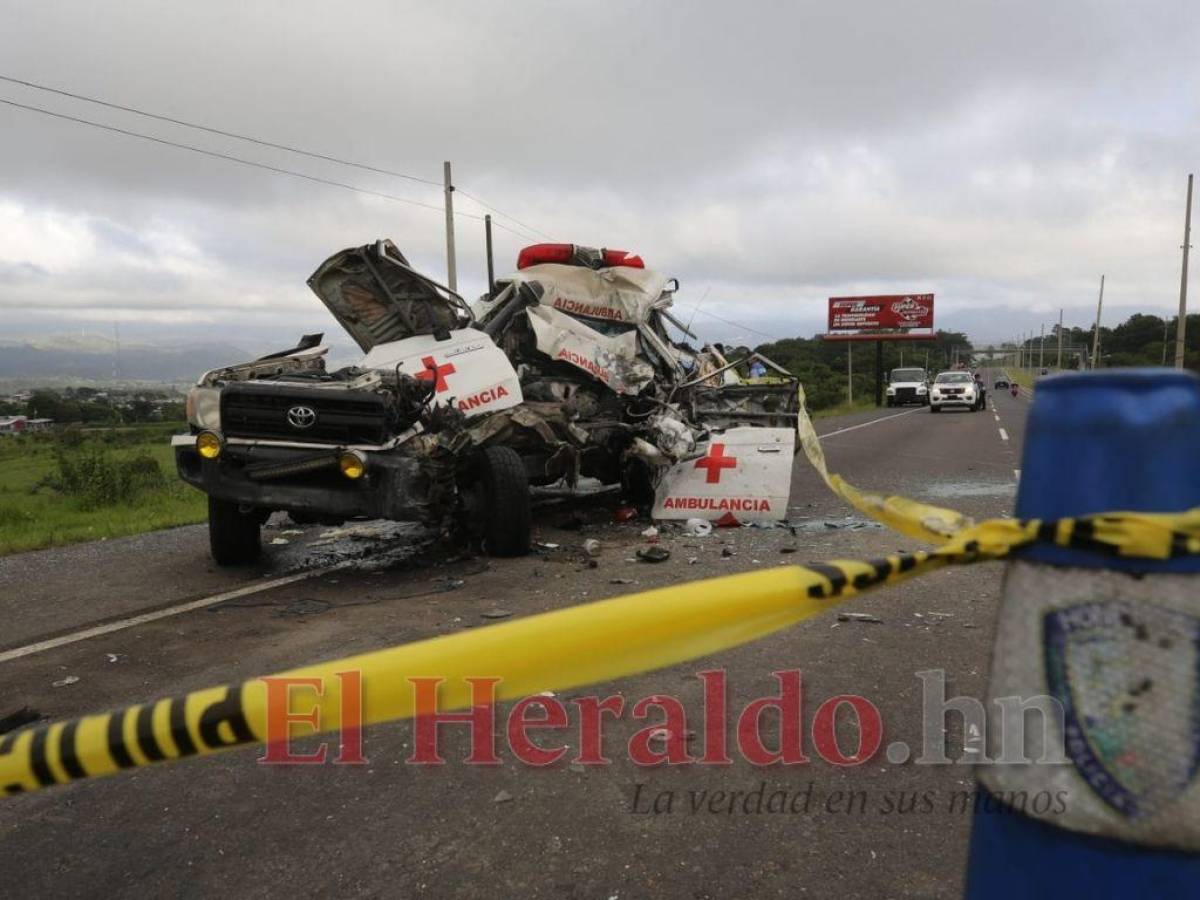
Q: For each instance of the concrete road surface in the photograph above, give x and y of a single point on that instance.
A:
(139, 618)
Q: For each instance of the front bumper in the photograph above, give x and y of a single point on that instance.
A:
(396, 485)
(957, 400)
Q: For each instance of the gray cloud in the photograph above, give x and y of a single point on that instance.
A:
(1002, 155)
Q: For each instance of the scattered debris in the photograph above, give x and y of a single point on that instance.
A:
(503, 797)
(653, 554)
(114, 657)
(698, 527)
(859, 617)
(788, 549)
(63, 682)
(547, 546)
(624, 513)
(726, 552)
(650, 533)
(279, 541)
(591, 547)
(496, 614)
(621, 581)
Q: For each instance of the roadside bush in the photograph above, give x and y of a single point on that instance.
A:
(11, 516)
(96, 478)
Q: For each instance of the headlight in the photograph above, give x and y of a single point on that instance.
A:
(208, 444)
(921, 389)
(352, 464)
(204, 407)
(891, 390)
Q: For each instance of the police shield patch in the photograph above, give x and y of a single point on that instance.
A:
(1126, 675)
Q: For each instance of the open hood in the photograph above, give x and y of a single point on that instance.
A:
(378, 297)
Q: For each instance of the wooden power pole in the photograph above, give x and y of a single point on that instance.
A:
(451, 265)
(1181, 327)
(1096, 335)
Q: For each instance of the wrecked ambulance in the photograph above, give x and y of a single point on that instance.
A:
(566, 370)
(411, 433)
(590, 334)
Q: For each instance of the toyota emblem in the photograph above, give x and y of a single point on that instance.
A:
(302, 417)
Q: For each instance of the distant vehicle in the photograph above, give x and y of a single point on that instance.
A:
(953, 389)
(908, 386)
(1002, 381)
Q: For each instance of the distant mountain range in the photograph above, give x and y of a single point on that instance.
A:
(94, 358)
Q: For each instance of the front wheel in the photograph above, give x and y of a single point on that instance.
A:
(234, 537)
(499, 502)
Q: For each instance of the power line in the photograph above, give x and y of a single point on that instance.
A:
(221, 132)
(312, 154)
(237, 159)
(705, 312)
(498, 212)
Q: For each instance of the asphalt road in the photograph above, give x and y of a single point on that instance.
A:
(228, 825)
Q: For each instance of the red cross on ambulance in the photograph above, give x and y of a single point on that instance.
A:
(435, 373)
(715, 462)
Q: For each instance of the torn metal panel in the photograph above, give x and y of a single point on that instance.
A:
(465, 369)
(617, 294)
(378, 297)
(610, 359)
(744, 472)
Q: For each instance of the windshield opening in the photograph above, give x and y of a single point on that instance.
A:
(908, 374)
(954, 378)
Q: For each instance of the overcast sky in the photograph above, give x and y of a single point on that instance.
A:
(770, 155)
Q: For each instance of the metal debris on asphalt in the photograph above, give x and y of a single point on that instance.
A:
(653, 554)
(859, 617)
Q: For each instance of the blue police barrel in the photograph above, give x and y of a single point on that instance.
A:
(1104, 801)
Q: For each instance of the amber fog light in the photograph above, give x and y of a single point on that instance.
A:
(352, 464)
(208, 444)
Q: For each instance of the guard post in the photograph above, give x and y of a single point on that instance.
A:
(1102, 656)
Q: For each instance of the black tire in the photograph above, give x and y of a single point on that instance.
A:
(502, 490)
(234, 537)
(934, 409)
(891, 403)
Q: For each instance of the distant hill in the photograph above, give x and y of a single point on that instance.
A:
(95, 358)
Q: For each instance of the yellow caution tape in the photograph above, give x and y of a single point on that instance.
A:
(558, 650)
(568, 648)
(932, 524)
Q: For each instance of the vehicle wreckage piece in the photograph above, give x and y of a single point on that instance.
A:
(411, 433)
(590, 329)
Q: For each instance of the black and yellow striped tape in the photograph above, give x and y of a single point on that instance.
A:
(558, 650)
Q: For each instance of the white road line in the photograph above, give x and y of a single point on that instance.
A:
(142, 619)
(997, 418)
(1003, 435)
(907, 412)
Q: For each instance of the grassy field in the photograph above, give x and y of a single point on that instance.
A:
(843, 409)
(91, 485)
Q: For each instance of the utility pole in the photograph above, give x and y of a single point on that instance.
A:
(1181, 327)
(487, 233)
(1166, 325)
(1042, 348)
(451, 265)
(850, 372)
(1096, 335)
(1058, 364)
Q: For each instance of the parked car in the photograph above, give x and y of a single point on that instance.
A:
(907, 386)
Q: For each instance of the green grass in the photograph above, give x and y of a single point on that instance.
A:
(33, 514)
(843, 409)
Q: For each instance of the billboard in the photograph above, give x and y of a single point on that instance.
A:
(887, 311)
